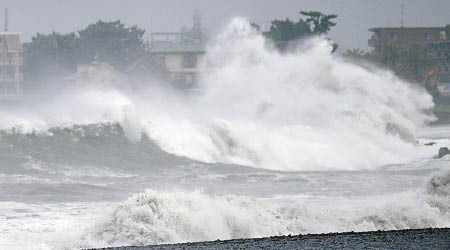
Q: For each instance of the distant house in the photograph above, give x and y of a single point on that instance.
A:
(434, 40)
(96, 73)
(11, 62)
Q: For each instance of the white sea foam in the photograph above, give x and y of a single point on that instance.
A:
(155, 217)
(306, 110)
(169, 217)
(46, 226)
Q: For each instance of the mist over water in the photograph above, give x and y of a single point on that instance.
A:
(269, 143)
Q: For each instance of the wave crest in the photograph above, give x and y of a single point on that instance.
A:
(155, 217)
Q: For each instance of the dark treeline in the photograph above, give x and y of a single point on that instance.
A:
(51, 57)
(54, 56)
(281, 32)
(410, 62)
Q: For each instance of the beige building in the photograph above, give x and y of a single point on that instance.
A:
(182, 63)
(11, 62)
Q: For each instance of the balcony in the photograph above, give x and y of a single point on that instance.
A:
(11, 62)
(374, 41)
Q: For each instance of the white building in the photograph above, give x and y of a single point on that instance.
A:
(96, 73)
(11, 61)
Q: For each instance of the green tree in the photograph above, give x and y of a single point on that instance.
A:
(322, 23)
(281, 32)
(415, 61)
(390, 54)
(255, 26)
(355, 53)
(409, 62)
(111, 42)
(287, 30)
(55, 56)
(49, 56)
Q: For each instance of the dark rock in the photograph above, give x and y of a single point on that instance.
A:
(430, 143)
(443, 151)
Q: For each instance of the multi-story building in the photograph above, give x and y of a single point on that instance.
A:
(182, 63)
(178, 57)
(434, 40)
(10, 63)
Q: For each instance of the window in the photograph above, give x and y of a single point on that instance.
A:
(442, 35)
(427, 36)
(190, 61)
(377, 34)
(11, 73)
(394, 36)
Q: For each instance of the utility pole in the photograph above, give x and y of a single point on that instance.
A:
(4, 55)
(6, 20)
(401, 21)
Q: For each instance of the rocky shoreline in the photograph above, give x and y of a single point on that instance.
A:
(430, 238)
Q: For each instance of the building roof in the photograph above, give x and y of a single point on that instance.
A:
(179, 48)
(90, 69)
(8, 33)
(136, 64)
(406, 28)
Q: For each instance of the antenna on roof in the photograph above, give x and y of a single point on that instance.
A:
(6, 19)
(401, 21)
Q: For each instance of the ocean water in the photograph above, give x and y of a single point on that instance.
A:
(269, 144)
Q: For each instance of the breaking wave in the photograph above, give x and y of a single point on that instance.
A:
(306, 110)
(155, 217)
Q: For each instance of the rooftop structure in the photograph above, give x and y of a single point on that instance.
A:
(175, 56)
(196, 35)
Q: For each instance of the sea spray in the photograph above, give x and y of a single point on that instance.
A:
(304, 110)
(154, 217)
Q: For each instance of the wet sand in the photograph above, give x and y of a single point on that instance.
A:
(432, 238)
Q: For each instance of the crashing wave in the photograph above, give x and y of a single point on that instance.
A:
(306, 110)
(155, 217)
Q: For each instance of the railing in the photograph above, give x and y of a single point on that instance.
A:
(16, 78)
(12, 61)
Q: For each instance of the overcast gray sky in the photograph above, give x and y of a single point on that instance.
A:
(355, 16)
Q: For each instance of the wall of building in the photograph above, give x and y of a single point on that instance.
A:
(434, 40)
(175, 63)
(10, 63)
(406, 36)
